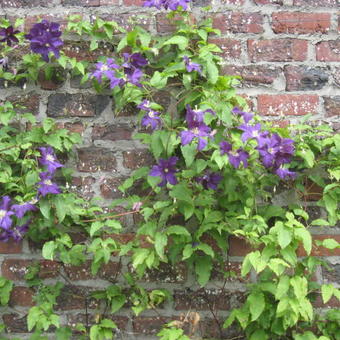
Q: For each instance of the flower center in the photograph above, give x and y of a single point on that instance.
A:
(255, 133)
(47, 182)
(49, 158)
(152, 114)
(195, 130)
(104, 68)
(3, 213)
(166, 170)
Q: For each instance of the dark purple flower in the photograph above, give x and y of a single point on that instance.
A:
(136, 60)
(151, 118)
(49, 159)
(45, 38)
(16, 233)
(46, 185)
(210, 180)
(285, 173)
(105, 69)
(235, 157)
(166, 170)
(134, 76)
(250, 131)
(196, 115)
(190, 66)
(7, 35)
(4, 63)
(21, 209)
(5, 213)
(245, 115)
(196, 130)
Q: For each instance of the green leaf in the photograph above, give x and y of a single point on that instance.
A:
(256, 303)
(178, 230)
(282, 287)
(330, 243)
(327, 291)
(305, 237)
(95, 226)
(61, 207)
(300, 286)
(259, 334)
(181, 192)
(212, 71)
(48, 250)
(189, 153)
(6, 287)
(48, 124)
(284, 236)
(161, 241)
(179, 40)
(203, 267)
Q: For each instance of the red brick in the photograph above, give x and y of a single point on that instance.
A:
(230, 271)
(316, 3)
(319, 250)
(254, 75)
(108, 2)
(268, 2)
(332, 303)
(231, 48)
(167, 273)
(332, 106)
(313, 192)
(112, 132)
(149, 325)
(277, 50)
(83, 186)
(328, 50)
(95, 159)
(76, 127)
(238, 247)
(301, 23)
(23, 3)
(109, 187)
(57, 80)
(15, 323)
(83, 272)
(201, 299)
(304, 78)
(15, 269)
(22, 296)
(29, 101)
(164, 25)
(237, 22)
(286, 104)
(133, 2)
(137, 158)
(10, 247)
(76, 105)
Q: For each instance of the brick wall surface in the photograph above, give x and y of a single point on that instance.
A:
(288, 53)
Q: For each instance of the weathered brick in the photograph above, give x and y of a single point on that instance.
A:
(76, 127)
(22, 296)
(304, 78)
(331, 274)
(319, 250)
(230, 271)
(336, 76)
(57, 80)
(332, 106)
(328, 50)
(165, 25)
(76, 105)
(231, 48)
(15, 323)
(28, 102)
(268, 2)
(300, 23)
(85, 3)
(137, 158)
(109, 187)
(75, 82)
(238, 22)
(201, 299)
(95, 159)
(254, 75)
(129, 20)
(75, 297)
(133, 2)
(23, 3)
(167, 273)
(15, 269)
(108, 271)
(112, 132)
(149, 325)
(286, 104)
(210, 329)
(277, 50)
(201, 3)
(83, 186)
(316, 3)
(80, 50)
(59, 18)
(238, 247)
(233, 2)
(332, 303)
(10, 247)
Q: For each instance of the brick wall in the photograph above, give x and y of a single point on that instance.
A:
(288, 53)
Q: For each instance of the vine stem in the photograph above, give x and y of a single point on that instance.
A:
(110, 217)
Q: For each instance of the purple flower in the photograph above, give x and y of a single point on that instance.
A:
(105, 69)
(45, 38)
(134, 76)
(250, 131)
(235, 157)
(136, 60)
(196, 115)
(8, 35)
(49, 159)
(5, 213)
(190, 66)
(196, 130)
(172, 4)
(210, 180)
(16, 233)
(166, 170)
(46, 185)
(21, 209)
(151, 118)
(245, 115)
(285, 173)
